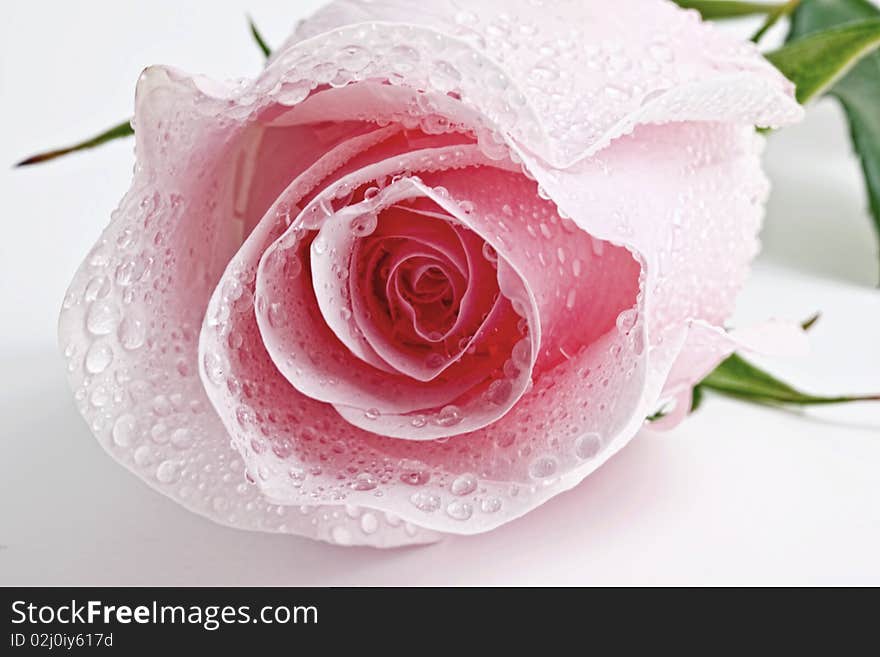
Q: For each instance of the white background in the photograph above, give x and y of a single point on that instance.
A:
(736, 495)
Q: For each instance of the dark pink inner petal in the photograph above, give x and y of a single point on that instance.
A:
(421, 289)
(309, 347)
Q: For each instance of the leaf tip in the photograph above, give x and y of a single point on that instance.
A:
(808, 323)
(39, 158)
(258, 38)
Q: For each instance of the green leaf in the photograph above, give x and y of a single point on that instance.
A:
(717, 9)
(737, 377)
(259, 38)
(817, 61)
(773, 17)
(858, 91)
(124, 129)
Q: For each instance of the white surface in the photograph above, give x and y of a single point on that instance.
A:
(738, 494)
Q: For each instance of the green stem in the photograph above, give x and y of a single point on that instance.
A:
(261, 42)
(773, 17)
(119, 131)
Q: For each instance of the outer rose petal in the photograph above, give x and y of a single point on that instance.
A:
(564, 78)
(131, 317)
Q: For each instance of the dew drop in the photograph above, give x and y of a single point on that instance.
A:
(275, 315)
(99, 397)
(459, 510)
(143, 456)
(543, 467)
(369, 523)
(490, 505)
(292, 94)
(626, 320)
(522, 353)
(131, 333)
(489, 253)
(364, 481)
(181, 438)
(97, 288)
(499, 392)
(125, 430)
(427, 502)
(449, 416)
(364, 224)
(414, 473)
(98, 357)
(102, 318)
(214, 369)
(340, 535)
(353, 58)
(168, 472)
(443, 76)
(464, 485)
(434, 360)
(587, 446)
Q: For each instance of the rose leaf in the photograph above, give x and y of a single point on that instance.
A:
(737, 377)
(858, 89)
(718, 9)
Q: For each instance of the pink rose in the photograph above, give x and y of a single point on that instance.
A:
(431, 268)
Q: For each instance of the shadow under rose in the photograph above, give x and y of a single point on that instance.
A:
(73, 516)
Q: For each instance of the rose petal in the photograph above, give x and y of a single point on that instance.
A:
(312, 435)
(644, 62)
(130, 320)
(317, 363)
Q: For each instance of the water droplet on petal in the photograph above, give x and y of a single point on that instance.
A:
(365, 481)
(369, 523)
(426, 502)
(499, 392)
(98, 357)
(364, 224)
(459, 510)
(102, 318)
(464, 485)
(449, 416)
(181, 438)
(543, 467)
(414, 473)
(125, 430)
(587, 446)
(214, 369)
(340, 535)
(168, 472)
